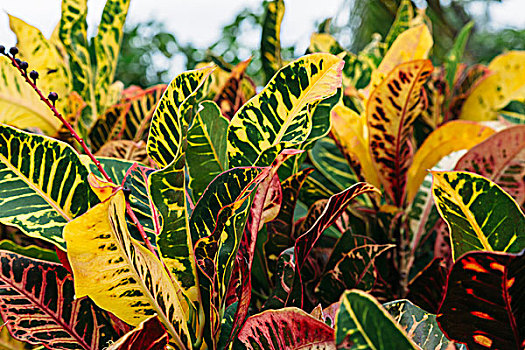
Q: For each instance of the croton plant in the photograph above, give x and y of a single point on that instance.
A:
(214, 214)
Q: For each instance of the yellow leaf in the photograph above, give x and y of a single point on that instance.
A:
(506, 83)
(351, 132)
(450, 137)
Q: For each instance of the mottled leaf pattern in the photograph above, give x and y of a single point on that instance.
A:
(233, 93)
(363, 324)
(133, 285)
(281, 112)
(44, 184)
(392, 108)
(38, 305)
(479, 214)
(285, 329)
(271, 38)
(483, 306)
(149, 335)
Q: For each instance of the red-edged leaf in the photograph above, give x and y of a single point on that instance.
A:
(285, 329)
(283, 280)
(500, 158)
(38, 306)
(467, 81)
(483, 305)
(391, 110)
(355, 270)
(149, 335)
(335, 206)
(427, 288)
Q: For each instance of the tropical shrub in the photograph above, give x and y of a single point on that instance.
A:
(203, 214)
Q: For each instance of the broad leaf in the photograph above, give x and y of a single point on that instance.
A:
(483, 306)
(355, 270)
(39, 306)
(479, 214)
(206, 153)
(427, 288)
(44, 185)
(134, 284)
(281, 113)
(149, 335)
(233, 93)
(391, 110)
(172, 115)
(30, 251)
(285, 329)
(404, 16)
(363, 323)
(506, 83)
(450, 137)
(500, 158)
(420, 325)
(271, 38)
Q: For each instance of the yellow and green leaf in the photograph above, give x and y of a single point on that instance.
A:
(169, 124)
(479, 214)
(133, 284)
(44, 184)
(271, 38)
(363, 323)
(391, 110)
(450, 137)
(281, 114)
(402, 22)
(506, 83)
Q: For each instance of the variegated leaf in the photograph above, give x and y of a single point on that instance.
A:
(271, 38)
(233, 93)
(479, 214)
(281, 113)
(134, 284)
(500, 158)
(38, 306)
(450, 137)
(170, 121)
(285, 329)
(402, 22)
(149, 335)
(44, 184)
(363, 324)
(427, 288)
(391, 110)
(206, 153)
(29, 251)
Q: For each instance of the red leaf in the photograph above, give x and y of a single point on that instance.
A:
(149, 335)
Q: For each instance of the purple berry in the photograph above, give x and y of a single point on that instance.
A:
(2, 49)
(24, 65)
(13, 51)
(53, 96)
(33, 75)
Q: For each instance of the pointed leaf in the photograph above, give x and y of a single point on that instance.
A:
(404, 16)
(169, 124)
(427, 288)
(133, 284)
(355, 270)
(30, 251)
(500, 158)
(479, 214)
(149, 335)
(506, 83)
(392, 108)
(285, 329)
(280, 114)
(363, 323)
(206, 153)
(483, 306)
(455, 54)
(232, 94)
(450, 137)
(419, 325)
(38, 306)
(44, 184)
(271, 38)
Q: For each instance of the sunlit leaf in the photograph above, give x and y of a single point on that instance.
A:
(271, 38)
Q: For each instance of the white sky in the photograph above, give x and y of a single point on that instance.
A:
(200, 21)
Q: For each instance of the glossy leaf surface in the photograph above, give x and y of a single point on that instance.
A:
(271, 38)
(149, 335)
(479, 214)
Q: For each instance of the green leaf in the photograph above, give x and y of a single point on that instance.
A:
(170, 120)
(391, 110)
(280, 114)
(285, 329)
(107, 48)
(483, 306)
(404, 15)
(133, 283)
(30, 251)
(271, 38)
(420, 325)
(455, 54)
(44, 185)
(39, 306)
(479, 214)
(500, 158)
(206, 153)
(363, 324)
